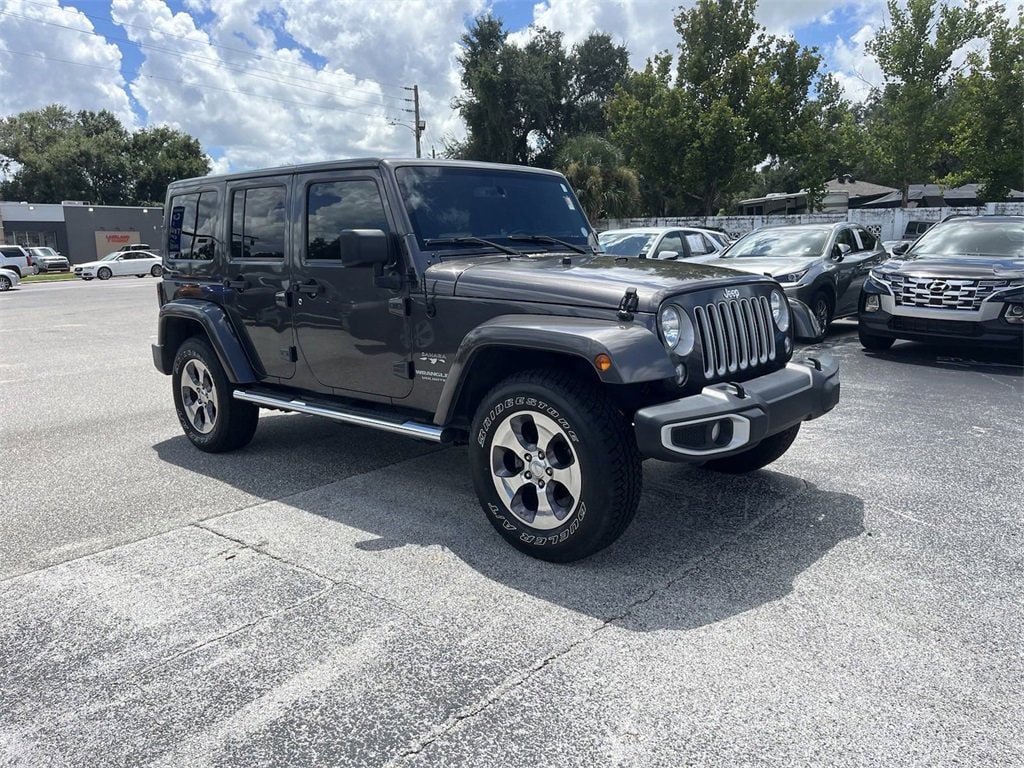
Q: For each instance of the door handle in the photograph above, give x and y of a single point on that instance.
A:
(312, 288)
(239, 284)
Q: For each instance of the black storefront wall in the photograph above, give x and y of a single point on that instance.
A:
(95, 230)
(52, 233)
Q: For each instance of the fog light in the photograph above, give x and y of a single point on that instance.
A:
(680, 374)
(1015, 313)
(871, 303)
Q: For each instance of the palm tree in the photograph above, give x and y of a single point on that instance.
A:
(594, 167)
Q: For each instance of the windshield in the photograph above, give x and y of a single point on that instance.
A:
(42, 251)
(112, 256)
(626, 243)
(776, 243)
(971, 238)
(444, 203)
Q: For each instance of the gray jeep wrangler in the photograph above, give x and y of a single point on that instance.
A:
(469, 303)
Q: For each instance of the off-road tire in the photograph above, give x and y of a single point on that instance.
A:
(874, 343)
(103, 273)
(761, 455)
(230, 423)
(594, 451)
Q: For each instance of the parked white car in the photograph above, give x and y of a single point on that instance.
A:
(119, 264)
(8, 279)
(662, 243)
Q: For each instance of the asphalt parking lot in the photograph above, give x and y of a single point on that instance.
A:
(334, 596)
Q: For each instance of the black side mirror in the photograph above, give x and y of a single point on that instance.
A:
(839, 251)
(900, 249)
(364, 247)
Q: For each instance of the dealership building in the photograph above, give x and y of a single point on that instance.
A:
(79, 230)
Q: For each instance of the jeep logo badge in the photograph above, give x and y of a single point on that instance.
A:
(731, 293)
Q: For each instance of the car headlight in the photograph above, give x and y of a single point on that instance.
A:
(676, 329)
(879, 275)
(780, 310)
(792, 277)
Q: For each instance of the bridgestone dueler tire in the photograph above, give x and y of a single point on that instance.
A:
(235, 422)
(601, 439)
(761, 455)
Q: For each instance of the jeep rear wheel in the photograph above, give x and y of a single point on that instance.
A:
(555, 465)
(761, 455)
(210, 417)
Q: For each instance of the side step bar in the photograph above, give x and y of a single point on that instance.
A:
(407, 428)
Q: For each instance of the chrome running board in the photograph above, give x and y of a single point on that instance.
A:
(407, 428)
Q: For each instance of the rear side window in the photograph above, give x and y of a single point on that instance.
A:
(191, 233)
(338, 205)
(258, 223)
(866, 239)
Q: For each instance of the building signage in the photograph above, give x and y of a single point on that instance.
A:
(107, 242)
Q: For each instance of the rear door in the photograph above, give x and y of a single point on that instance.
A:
(258, 272)
(352, 332)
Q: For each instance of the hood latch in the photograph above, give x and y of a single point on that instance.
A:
(628, 305)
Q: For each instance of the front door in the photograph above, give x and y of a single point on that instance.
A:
(259, 273)
(351, 331)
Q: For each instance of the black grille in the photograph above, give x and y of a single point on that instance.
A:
(926, 325)
(735, 335)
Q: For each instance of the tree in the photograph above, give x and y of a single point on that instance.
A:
(740, 97)
(521, 103)
(987, 133)
(54, 154)
(915, 52)
(603, 184)
(159, 156)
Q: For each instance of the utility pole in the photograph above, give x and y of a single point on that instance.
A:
(419, 125)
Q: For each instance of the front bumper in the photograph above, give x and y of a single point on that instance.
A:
(726, 419)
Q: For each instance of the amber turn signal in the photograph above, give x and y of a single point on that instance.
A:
(603, 362)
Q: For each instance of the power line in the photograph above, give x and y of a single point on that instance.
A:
(203, 87)
(217, 63)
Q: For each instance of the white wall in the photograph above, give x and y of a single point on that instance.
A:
(887, 223)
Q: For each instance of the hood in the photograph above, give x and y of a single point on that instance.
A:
(90, 264)
(977, 268)
(575, 279)
(776, 265)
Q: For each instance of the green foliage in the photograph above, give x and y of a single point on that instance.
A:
(54, 154)
(910, 116)
(987, 133)
(740, 97)
(603, 184)
(521, 103)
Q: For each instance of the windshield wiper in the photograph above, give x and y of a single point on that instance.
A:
(546, 239)
(470, 240)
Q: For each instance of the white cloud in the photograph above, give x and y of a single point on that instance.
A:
(43, 60)
(336, 89)
(856, 70)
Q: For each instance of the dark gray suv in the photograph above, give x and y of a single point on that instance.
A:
(467, 303)
(822, 265)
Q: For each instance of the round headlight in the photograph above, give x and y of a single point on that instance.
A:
(671, 323)
(780, 310)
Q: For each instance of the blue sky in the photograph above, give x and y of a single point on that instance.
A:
(268, 82)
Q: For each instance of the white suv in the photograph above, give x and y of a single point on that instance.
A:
(16, 259)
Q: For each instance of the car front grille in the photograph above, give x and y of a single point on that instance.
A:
(735, 335)
(942, 292)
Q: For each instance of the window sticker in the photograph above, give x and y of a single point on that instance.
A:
(568, 203)
(174, 240)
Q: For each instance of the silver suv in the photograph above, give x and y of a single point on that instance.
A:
(16, 259)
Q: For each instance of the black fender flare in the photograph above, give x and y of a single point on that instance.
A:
(637, 354)
(219, 332)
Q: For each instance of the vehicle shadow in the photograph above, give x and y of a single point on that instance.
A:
(991, 360)
(710, 546)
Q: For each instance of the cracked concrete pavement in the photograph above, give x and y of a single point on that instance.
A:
(331, 596)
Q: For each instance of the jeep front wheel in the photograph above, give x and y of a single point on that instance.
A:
(555, 465)
(210, 417)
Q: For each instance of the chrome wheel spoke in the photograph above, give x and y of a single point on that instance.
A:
(199, 396)
(535, 469)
